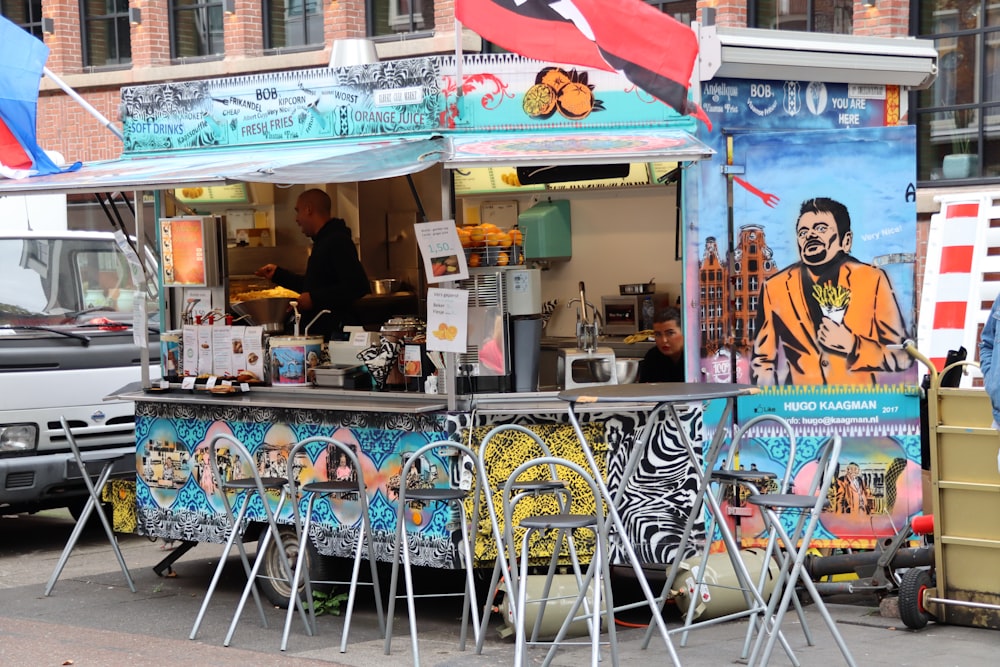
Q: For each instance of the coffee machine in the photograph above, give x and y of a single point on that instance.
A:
(505, 327)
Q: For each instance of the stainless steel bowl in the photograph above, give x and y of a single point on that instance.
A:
(267, 313)
(628, 370)
(384, 286)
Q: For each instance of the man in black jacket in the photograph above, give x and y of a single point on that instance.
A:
(335, 278)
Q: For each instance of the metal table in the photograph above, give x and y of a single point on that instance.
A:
(664, 397)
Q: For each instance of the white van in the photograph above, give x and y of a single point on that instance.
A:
(66, 342)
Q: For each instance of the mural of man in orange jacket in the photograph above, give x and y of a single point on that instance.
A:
(827, 319)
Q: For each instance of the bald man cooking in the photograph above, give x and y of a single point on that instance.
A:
(334, 278)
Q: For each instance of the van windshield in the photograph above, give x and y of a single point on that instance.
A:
(65, 281)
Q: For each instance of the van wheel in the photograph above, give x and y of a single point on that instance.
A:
(272, 582)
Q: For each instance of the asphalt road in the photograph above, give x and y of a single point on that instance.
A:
(92, 618)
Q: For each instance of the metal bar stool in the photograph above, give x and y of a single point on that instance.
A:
(525, 489)
(248, 490)
(465, 464)
(598, 571)
(94, 501)
(806, 508)
(349, 483)
(728, 478)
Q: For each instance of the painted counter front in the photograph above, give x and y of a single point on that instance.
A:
(175, 494)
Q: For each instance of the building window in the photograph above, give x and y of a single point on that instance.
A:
(107, 38)
(25, 13)
(684, 11)
(958, 117)
(293, 24)
(833, 16)
(196, 29)
(397, 17)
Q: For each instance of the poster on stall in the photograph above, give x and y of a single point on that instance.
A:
(447, 319)
(182, 246)
(444, 257)
(807, 292)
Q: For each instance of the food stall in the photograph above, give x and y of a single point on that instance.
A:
(462, 154)
(389, 142)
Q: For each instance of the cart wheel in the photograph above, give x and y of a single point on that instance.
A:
(272, 584)
(911, 593)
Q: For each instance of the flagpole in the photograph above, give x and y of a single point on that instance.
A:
(459, 94)
(82, 102)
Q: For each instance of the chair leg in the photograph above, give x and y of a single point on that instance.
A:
(353, 589)
(470, 601)
(520, 642)
(796, 574)
(491, 593)
(599, 575)
(398, 545)
(373, 567)
(296, 577)
(251, 585)
(233, 534)
(81, 523)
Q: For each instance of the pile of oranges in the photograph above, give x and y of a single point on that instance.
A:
(485, 244)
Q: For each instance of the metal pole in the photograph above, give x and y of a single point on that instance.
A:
(82, 102)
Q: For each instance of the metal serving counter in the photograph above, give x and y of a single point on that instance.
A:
(303, 398)
(537, 402)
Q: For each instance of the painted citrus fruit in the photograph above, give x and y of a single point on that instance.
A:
(539, 101)
(575, 101)
(556, 77)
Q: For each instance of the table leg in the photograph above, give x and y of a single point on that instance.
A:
(616, 521)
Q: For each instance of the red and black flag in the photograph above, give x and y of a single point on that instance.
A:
(651, 49)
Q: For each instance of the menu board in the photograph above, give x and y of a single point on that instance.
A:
(483, 180)
(235, 193)
(183, 249)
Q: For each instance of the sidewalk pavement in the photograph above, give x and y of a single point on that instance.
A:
(92, 618)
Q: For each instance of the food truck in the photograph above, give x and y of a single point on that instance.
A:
(532, 215)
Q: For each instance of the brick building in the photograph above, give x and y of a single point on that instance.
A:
(98, 47)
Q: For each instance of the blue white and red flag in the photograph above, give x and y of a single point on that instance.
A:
(23, 58)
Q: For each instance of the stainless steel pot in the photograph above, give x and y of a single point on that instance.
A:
(384, 286)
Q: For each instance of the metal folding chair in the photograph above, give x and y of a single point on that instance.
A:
(732, 479)
(94, 501)
(804, 510)
(552, 486)
(249, 491)
(598, 572)
(351, 486)
(455, 498)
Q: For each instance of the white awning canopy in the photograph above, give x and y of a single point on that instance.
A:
(326, 162)
(346, 161)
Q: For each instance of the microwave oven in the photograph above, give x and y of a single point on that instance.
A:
(625, 315)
